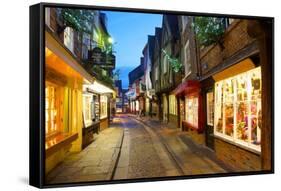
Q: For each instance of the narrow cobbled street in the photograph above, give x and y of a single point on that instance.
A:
(136, 148)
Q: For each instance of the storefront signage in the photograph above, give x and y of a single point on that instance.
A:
(100, 58)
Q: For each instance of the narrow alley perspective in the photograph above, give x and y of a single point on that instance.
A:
(135, 95)
(137, 148)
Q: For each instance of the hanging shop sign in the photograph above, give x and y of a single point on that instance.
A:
(101, 58)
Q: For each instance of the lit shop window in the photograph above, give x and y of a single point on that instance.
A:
(173, 105)
(210, 108)
(137, 105)
(87, 109)
(68, 38)
(238, 108)
(103, 107)
(191, 114)
(51, 110)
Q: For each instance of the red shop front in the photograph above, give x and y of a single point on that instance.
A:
(191, 109)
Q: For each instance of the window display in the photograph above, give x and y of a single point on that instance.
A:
(51, 109)
(137, 105)
(210, 108)
(87, 108)
(103, 106)
(96, 106)
(238, 108)
(191, 108)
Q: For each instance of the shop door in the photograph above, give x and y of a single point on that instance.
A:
(209, 100)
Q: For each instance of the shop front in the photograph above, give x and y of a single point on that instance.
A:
(64, 78)
(100, 104)
(238, 115)
(173, 111)
(91, 112)
(190, 109)
(95, 106)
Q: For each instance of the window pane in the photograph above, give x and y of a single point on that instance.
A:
(228, 112)
(218, 107)
(192, 111)
(210, 108)
(238, 104)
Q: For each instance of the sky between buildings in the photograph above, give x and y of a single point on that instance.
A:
(129, 31)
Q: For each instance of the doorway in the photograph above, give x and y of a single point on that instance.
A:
(209, 108)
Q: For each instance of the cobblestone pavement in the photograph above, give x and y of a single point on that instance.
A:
(142, 154)
(95, 162)
(137, 148)
(192, 158)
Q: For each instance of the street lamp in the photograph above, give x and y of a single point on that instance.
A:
(110, 40)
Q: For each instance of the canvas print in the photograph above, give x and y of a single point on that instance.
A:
(135, 95)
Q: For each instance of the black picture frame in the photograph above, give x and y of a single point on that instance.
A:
(37, 94)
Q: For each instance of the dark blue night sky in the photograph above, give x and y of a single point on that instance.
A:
(129, 31)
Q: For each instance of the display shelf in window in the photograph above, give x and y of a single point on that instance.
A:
(103, 106)
(210, 108)
(238, 109)
(192, 111)
(87, 109)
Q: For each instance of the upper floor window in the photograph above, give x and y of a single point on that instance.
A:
(184, 21)
(68, 38)
(165, 64)
(187, 60)
(156, 73)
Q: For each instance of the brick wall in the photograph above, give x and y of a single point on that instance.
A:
(236, 157)
(234, 39)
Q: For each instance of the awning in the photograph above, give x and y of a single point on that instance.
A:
(187, 87)
(99, 88)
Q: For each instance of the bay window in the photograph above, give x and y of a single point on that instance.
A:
(165, 64)
(238, 109)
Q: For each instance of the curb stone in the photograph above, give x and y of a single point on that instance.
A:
(113, 167)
